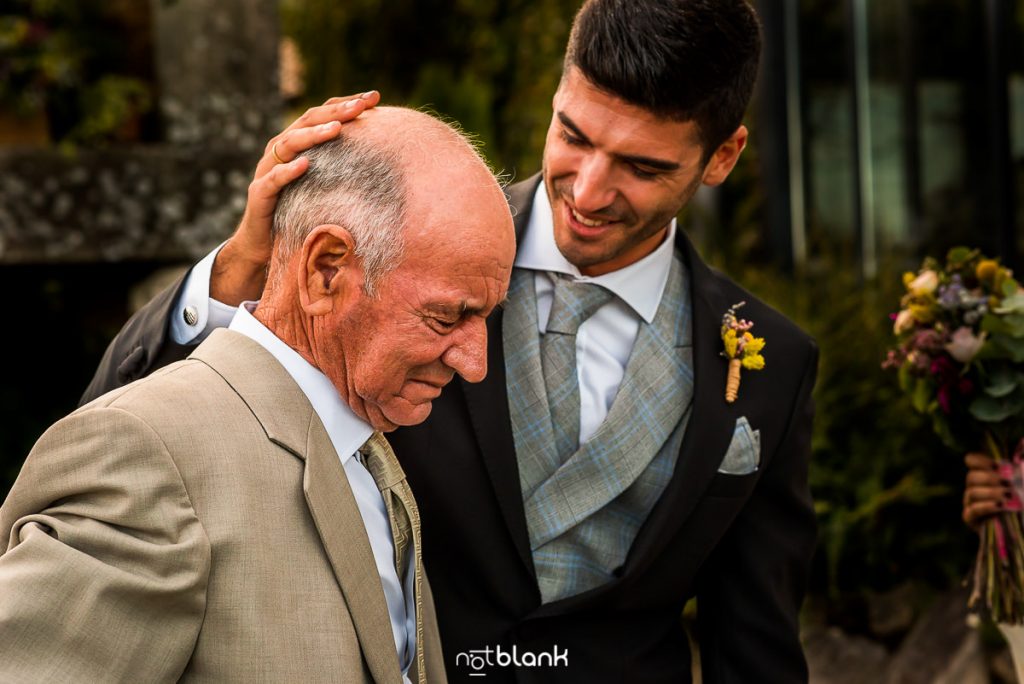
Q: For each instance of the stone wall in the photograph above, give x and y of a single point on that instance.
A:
(216, 62)
(155, 204)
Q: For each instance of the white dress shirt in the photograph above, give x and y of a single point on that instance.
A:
(196, 314)
(605, 340)
(347, 432)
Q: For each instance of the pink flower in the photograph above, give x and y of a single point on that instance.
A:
(893, 359)
(904, 322)
(927, 340)
(920, 360)
(964, 344)
(924, 284)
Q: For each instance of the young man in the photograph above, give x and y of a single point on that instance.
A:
(597, 479)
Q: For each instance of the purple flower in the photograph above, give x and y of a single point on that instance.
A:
(950, 295)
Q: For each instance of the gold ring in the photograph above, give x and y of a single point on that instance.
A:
(273, 152)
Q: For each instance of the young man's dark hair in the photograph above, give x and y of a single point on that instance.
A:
(689, 60)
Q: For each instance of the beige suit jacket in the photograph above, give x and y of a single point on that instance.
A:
(196, 525)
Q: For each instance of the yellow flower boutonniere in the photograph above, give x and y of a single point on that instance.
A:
(741, 348)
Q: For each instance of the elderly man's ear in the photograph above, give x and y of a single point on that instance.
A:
(329, 270)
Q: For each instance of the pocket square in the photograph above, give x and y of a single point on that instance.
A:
(744, 453)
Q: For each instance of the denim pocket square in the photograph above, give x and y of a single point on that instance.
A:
(744, 453)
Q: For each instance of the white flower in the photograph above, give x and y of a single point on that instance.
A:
(924, 283)
(904, 322)
(964, 344)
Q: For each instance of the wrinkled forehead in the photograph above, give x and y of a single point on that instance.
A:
(460, 217)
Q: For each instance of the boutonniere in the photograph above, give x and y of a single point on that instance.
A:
(741, 348)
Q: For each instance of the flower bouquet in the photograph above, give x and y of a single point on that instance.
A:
(960, 358)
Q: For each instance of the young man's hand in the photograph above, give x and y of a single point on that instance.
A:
(240, 268)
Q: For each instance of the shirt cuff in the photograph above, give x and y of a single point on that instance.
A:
(196, 314)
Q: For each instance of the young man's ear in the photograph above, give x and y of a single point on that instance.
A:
(328, 269)
(725, 157)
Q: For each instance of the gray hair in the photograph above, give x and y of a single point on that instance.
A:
(353, 184)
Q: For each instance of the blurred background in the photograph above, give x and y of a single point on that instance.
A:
(882, 131)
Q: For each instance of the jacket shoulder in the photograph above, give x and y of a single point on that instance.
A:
(173, 395)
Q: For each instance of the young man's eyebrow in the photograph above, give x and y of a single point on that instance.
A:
(571, 125)
(639, 160)
(650, 162)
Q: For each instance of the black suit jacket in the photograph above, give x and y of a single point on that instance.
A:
(740, 543)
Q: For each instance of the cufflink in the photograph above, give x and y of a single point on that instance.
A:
(191, 315)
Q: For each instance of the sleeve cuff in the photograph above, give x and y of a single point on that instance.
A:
(196, 314)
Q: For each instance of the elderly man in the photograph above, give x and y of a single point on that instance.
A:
(606, 478)
(238, 516)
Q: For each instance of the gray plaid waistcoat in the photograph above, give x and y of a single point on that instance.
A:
(583, 514)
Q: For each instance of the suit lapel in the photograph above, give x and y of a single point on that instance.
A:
(487, 402)
(341, 528)
(290, 422)
(711, 424)
(527, 396)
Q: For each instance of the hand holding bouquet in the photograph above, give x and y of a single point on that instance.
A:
(960, 358)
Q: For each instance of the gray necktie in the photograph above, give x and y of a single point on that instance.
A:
(404, 518)
(574, 302)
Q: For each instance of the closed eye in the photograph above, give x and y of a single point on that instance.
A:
(444, 324)
(642, 174)
(573, 140)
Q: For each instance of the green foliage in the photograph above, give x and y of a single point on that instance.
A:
(82, 64)
(493, 66)
(106, 106)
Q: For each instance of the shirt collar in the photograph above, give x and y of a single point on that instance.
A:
(347, 431)
(640, 285)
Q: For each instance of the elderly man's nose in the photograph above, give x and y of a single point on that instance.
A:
(468, 355)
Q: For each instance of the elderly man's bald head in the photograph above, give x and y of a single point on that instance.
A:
(365, 179)
(390, 253)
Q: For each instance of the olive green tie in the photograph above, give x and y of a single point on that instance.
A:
(405, 524)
